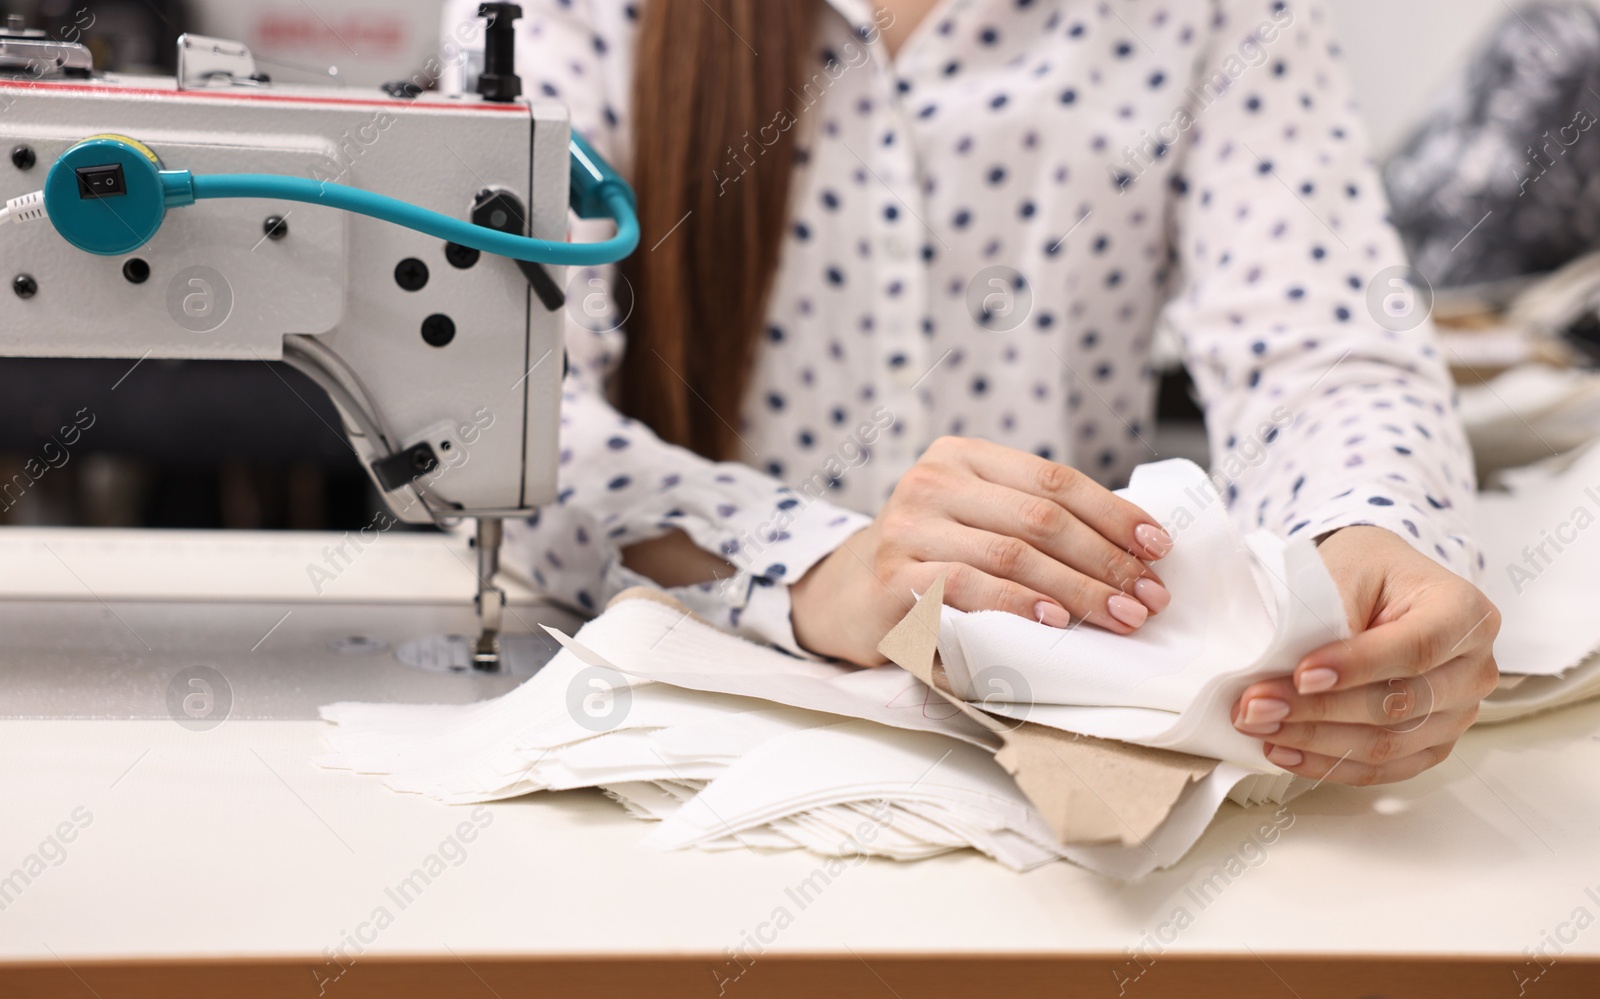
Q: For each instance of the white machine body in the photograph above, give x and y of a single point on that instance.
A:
(218, 286)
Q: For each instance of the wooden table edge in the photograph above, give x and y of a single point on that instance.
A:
(904, 975)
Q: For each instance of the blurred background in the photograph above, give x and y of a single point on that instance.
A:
(1461, 99)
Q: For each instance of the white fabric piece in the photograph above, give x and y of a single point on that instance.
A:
(701, 750)
(957, 788)
(1242, 610)
(1542, 540)
(674, 744)
(739, 746)
(1541, 693)
(645, 799)
(730, 738)
(860, 761)
(485, 751)
(1523, 414)
(651, 641)
(822, 830)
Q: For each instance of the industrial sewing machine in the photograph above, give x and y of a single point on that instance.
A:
(401, 248)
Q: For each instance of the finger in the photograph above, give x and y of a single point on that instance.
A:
(970, 589)
(1050, 528)
(1400, 700)
(1439, 627)
(1345, 771)
(1114, 518)
(1374, 744)
(1008, 558)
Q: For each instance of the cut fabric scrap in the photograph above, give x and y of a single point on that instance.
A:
(1087, 789)
(693, 656)
(1534, 694)
(1544, 577)
(1543, 548)
(956, 786)
(1025, 743)
(1243, 609)
(730, 744)
(875, 746)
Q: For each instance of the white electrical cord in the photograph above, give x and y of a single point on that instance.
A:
(28, 208)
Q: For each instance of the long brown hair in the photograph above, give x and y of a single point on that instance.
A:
(713, 82)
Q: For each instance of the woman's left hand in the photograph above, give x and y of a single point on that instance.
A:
(1391, 701)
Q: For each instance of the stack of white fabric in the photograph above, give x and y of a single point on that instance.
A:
(726, 744)
(1541, 539)
(718, 770)
(909, 778)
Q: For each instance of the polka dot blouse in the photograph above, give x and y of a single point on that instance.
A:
(986, 232)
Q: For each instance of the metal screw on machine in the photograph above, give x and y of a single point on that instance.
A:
(438, 330)
(23, 158)
(411, 274)
(25, 286)
(461, 257)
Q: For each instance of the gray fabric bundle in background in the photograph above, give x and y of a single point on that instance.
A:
(1509, 147)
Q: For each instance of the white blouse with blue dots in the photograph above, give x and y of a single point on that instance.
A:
(985, 232)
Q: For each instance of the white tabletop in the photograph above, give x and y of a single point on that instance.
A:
(232, 843)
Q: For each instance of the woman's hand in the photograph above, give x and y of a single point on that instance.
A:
(1015, 533)
(1390, 702)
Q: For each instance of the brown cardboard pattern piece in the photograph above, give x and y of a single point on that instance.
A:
(1090, 791)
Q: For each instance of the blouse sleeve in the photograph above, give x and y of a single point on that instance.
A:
(1327, 403)
(618, 482)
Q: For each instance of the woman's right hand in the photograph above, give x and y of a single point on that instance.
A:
(1014, 532)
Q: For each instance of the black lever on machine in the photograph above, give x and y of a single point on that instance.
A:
(499, 80)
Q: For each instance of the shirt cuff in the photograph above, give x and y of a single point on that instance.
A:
(1427, 534)
(771, 553)
(774, 555)
(768, 615)
(754, 602)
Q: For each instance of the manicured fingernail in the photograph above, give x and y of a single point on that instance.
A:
(1283, 756)
(1051, 615)
(1152, 594)
(1248, 729)
(1127, 610)
(1261, 710)
(1315, 681)
(1153, 539)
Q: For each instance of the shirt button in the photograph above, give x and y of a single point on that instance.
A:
(898, 248)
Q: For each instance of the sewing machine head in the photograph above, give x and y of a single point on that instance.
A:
(445, 362)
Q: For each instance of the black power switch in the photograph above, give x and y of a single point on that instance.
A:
(101, 181)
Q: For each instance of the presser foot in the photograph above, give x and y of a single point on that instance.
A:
(491, 599)
(486, 654)
(486, 650)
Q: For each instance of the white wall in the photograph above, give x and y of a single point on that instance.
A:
(296, 42)
(1398, 52)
